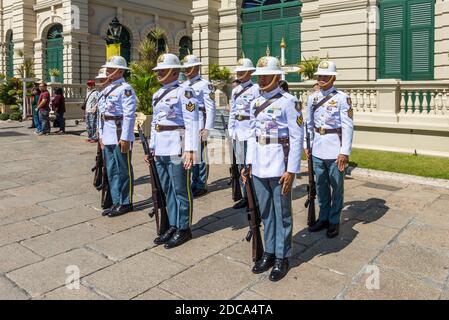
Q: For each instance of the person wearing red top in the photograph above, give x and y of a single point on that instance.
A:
(58, 106)
(43, 107)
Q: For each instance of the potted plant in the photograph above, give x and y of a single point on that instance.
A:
(54, 73)
(220, 78)
(308, 67)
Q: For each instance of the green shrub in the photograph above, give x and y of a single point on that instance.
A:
(220, 74)
(4, 116)
(15, 116)
(14, 109)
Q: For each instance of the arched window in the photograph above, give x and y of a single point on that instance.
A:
(160, 42)
(9, 55)
(125, 43)
(54, 52)
(185, 46)
(265, 23)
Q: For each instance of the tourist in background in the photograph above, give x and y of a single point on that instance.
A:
(35, 93)
(91, 101)
(43, 107)
(58, 106)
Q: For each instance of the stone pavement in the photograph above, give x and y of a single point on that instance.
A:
(50, 223)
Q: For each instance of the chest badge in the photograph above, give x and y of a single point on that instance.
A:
(190, 106)
(188, 94)
(128, 92)
(333, 103)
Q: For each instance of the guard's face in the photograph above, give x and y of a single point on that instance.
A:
(114, 74)
(243, 76)
(265, 80)
(192, 71)
(161, 74)
(324, 80)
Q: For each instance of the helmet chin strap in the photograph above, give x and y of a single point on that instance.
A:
(166, 76)
(332, 79)
(275, 80)
(244, 75)
(109, 77)
(191, 72)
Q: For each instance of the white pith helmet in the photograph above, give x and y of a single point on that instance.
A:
(116, 62)
(268, 66)
(101, 74)
(326, 68)
(244, 64)
(191, 61)
(167, 61)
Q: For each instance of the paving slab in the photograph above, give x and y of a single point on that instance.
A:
(192, 284)
(124, 244)
(416, 261)
(65, 239)
(15, 256)
(156, 294)
(136, 275)
(199, 248)
(314, 283)
(123, 222)
(61, 204)
(50, 274)
(67, 218)
(9, 291)
(63, 293)
(16, 232)
(426, 236)
(392, 286)
(8, 216)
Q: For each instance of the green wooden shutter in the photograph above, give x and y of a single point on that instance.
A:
(249, 45)
(421, 40)
(392, 41)
(54, 59)
(10, 58)
(293, 53)
(406, 39)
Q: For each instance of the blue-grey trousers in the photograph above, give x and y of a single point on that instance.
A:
(329, 187)
(120, 174)
(240, 149)
(200, 171)
(276, 213)
(175, 182)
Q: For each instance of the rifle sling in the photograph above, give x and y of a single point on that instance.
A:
(323, 101)
(266, 104)
(158, 99)
(242, 91)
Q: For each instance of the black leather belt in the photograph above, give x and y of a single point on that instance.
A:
(264, 140)
(105, 117)
(322, 131)
(242, 118)
(202, 109)
(161, 128)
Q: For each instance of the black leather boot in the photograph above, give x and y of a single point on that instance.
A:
(178, 238)
(318, 226)
(265, 263)
(333, 230)
(241, 204)
(163, 238)
(279, 270)
(107, 211)
(120, 209)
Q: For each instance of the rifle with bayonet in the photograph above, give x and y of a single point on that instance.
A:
(254, 219)
(234, 169)
(311, 187)
(157, 194)
(101, 182)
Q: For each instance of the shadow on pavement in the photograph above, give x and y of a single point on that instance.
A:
(358, 212)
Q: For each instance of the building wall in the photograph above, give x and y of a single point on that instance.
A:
(342, 30)
(84, 45)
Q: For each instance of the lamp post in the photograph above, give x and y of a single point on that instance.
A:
(115, 30)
